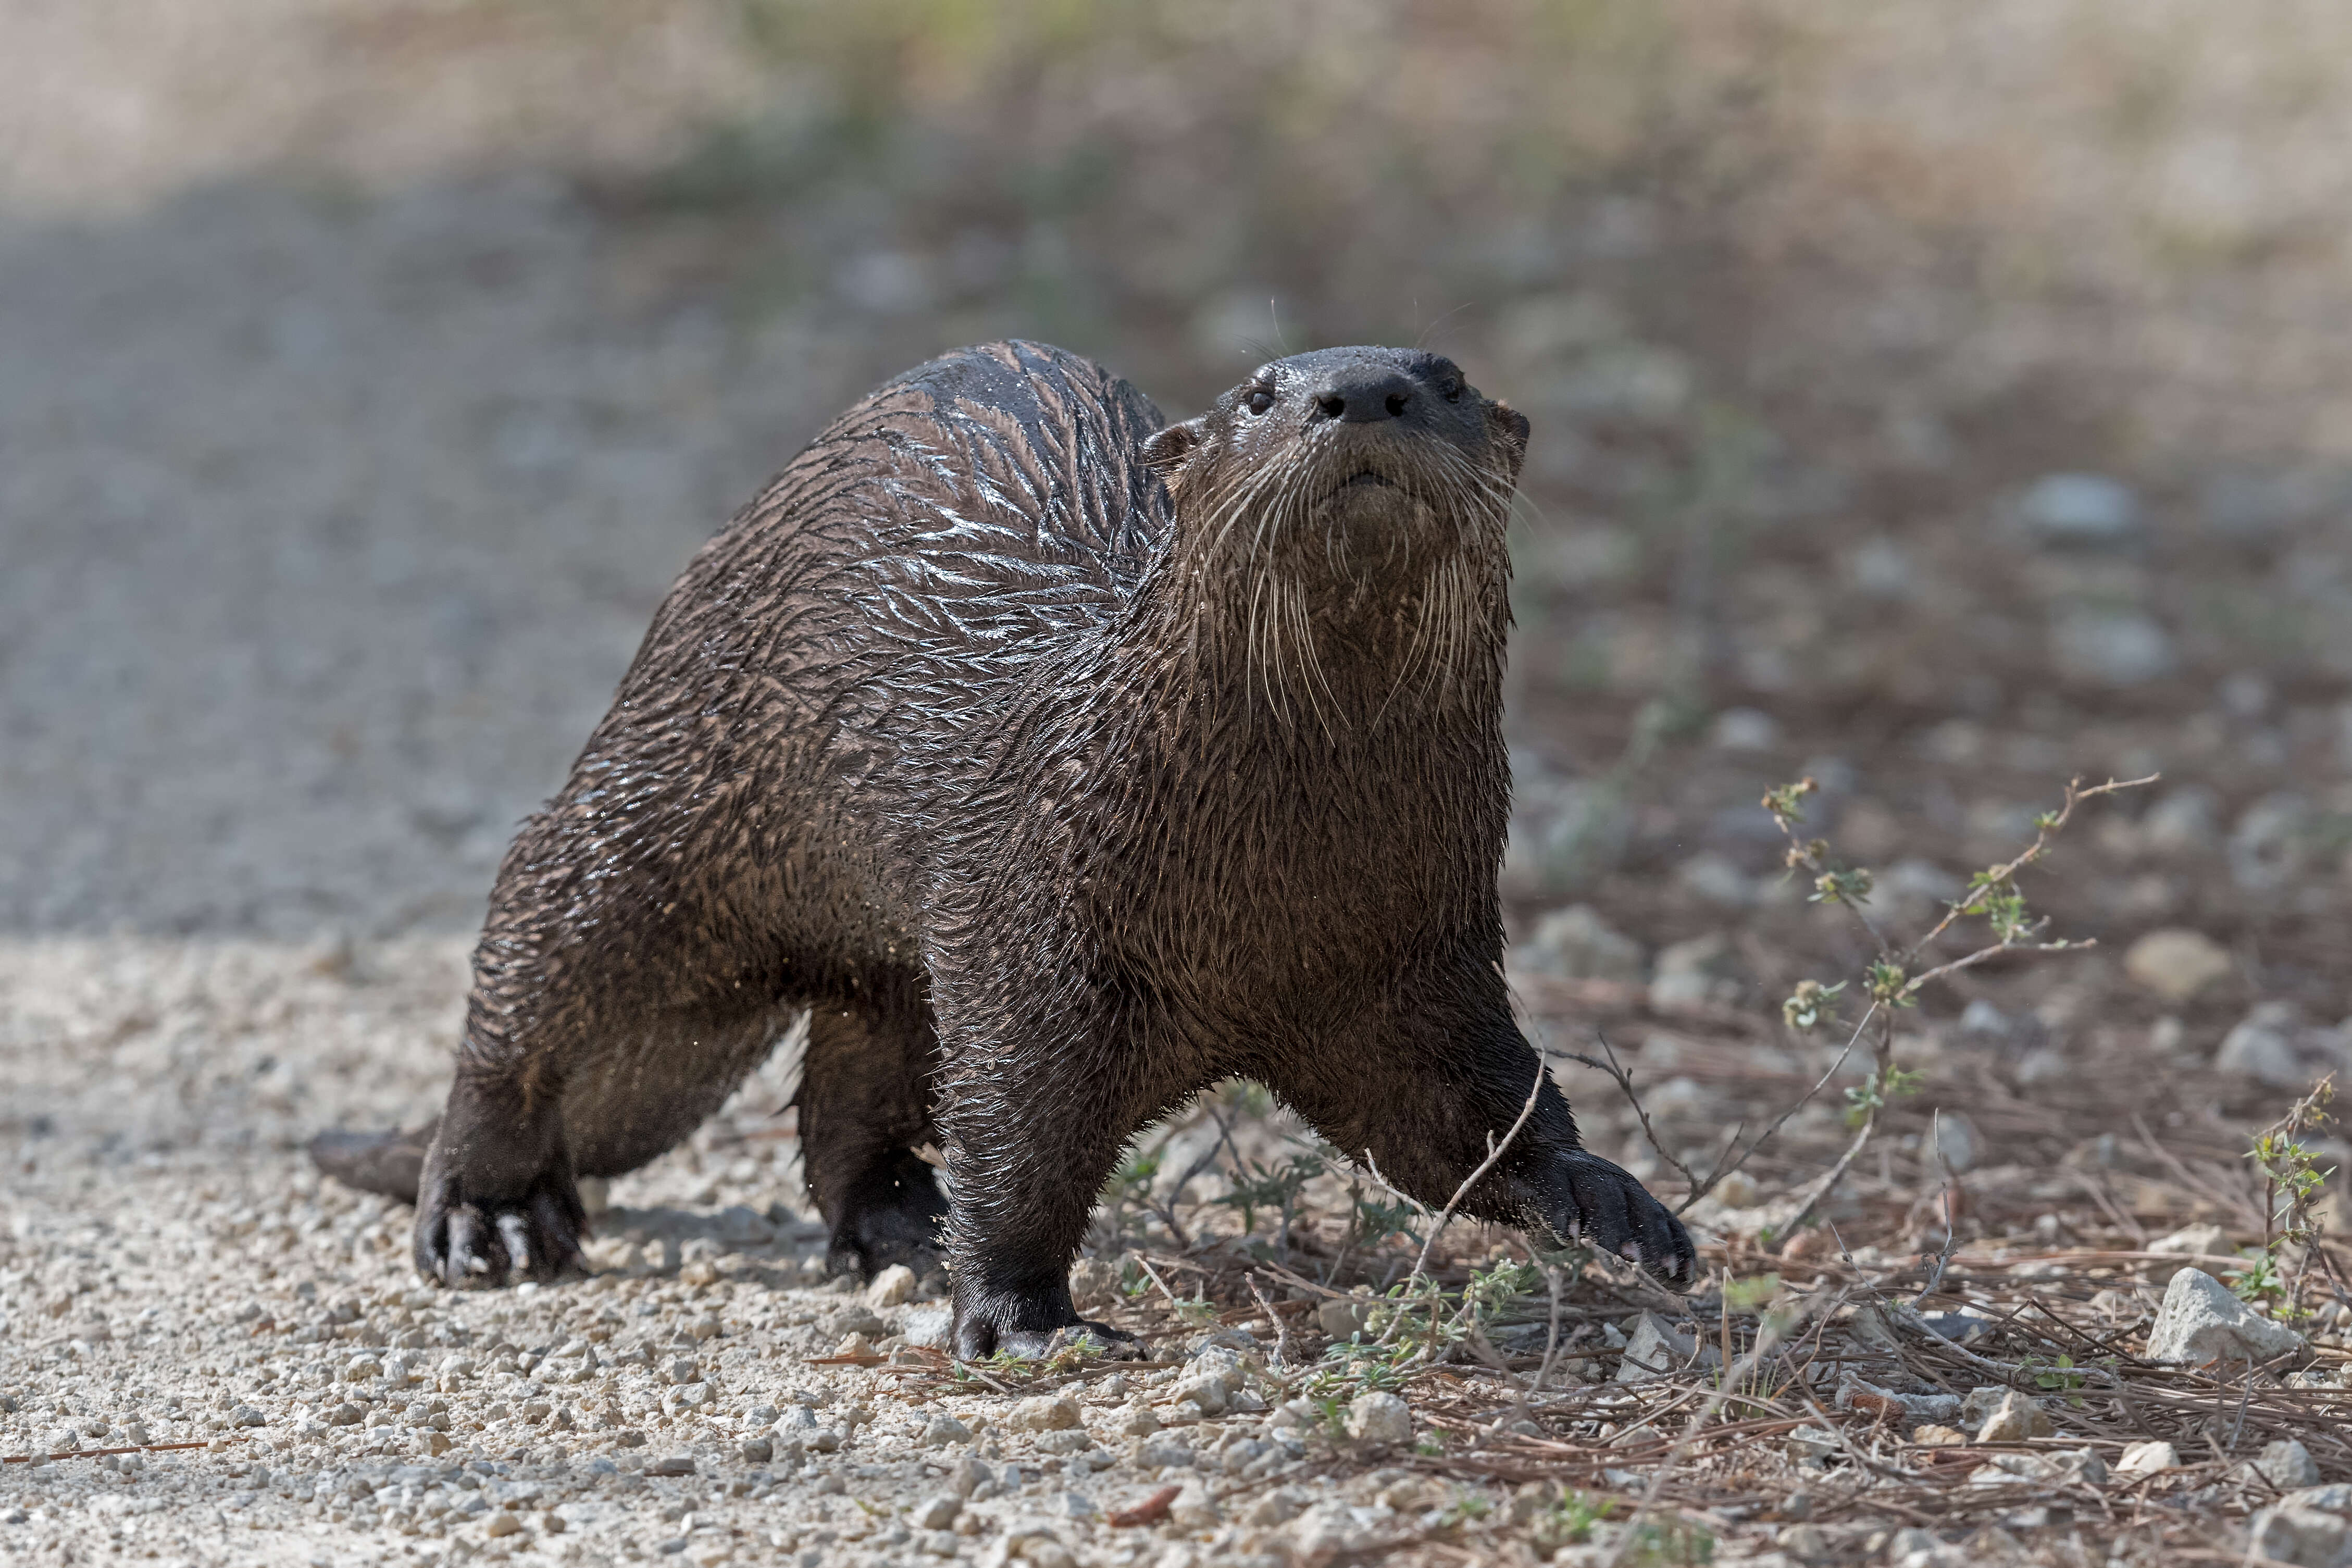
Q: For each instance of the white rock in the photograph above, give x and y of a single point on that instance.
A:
(1134, 1419)
(1323, 1532)
(941, 1430)
(2177, 963)
(2201, 1321)
(1193, 1510)
(2146, 1459)
(891, 1287)
(936, 1512)
(1046, 1413)
(1379, 1418)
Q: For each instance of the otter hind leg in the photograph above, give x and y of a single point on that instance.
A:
(498, 1193)
(864, 1104)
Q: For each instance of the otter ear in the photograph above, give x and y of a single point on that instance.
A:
(1165, 452)
(1510, 431)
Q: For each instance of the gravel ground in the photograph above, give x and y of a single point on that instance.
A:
(172, 1273)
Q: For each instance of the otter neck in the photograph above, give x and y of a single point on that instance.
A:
(1320, 647)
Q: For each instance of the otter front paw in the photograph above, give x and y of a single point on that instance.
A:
(1590, 1199)
(465, 1242)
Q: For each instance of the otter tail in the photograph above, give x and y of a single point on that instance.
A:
(391, 1163)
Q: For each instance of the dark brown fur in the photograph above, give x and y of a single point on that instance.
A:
(1058, 765)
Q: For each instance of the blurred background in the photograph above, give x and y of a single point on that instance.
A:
(1938, 401)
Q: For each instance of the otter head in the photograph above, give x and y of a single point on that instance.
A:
(1368, 458)
(1356, 495)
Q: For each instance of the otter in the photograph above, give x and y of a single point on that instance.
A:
(1055, 761)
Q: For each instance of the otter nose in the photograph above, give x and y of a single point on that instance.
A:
(1362, 395)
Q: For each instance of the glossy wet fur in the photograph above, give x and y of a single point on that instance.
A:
(1061, 764)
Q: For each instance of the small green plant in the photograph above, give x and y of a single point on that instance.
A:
(2062, 1377)
(1752, 1294)
(1674, 1543)
(1810, 1003)
(2292, 1184)
(1894, 975)
(1569, 1522)
(1257, 1186)
(1884, 982)
(1373, 1221)
(1882, 1087)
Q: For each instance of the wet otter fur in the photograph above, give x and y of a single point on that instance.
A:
(1058, 762)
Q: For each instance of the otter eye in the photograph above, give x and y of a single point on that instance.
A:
(1451, 389)
(1260, 400)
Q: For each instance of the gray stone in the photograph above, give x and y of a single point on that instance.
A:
(1382, 1418)
(1981, 1019)
(930, 1325)
(1716, 879)
(1658, 1349)
(2184, 819)
(1344, 1316)
(2272, 843)
(2083, 511)
(2200, 1320)
(1812, 1445)
(2305, 1537)
(2110, 647)
(1695, 973)
(1576, 944)
(1745, 730)
(1855, 1393)
(2287, 1465)
(745, 1226)
(941, 1430)
(2272, 1046)
(671, 1465)
(1952, 1143)
(2015, 1418)
(936, 1512)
